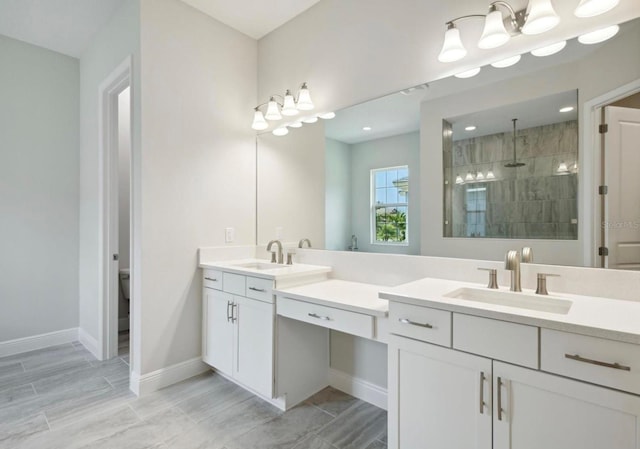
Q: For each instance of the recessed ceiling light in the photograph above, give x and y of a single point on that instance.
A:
(366, 128)
(470, 128)
(597, 36)
(468, 73)
(566, 109)
(549, 49)
(508, 62)
(327, 115)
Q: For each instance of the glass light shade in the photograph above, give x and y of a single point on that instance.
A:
(494, 34)
(508, 62)
(590, 8)
(295, 125)
(459, 179)
(468, 73)
(273, 110)
(480, 176)
(541, 17)
(289, 105)
(549, 49)
(259, 123)
(469, 177)
(490, 175)
(304, 99)
(601, 35)
(452, 49)
(562, 168)
(281, 131)
(327, 115)
(312, 119)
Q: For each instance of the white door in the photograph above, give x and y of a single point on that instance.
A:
(438, 397)
(622, 203)
(254, 345)
(219, 341)
(542, 410)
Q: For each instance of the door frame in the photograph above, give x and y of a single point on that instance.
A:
(108, 275)
(591, 168)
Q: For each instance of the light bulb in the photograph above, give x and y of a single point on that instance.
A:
(468, 73)
(549, 49)
(327, 115)
(494, 34)
(281, 131)
(452, 48)
(601, 35)
(289, 105)
(508, 62)
(591, 8)
(259, 122)
(273, 110)
(304, 99)
(541, 17)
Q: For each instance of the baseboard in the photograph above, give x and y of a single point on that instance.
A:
(153, 381)
(26, 344)
(361, 389)
(90, 343)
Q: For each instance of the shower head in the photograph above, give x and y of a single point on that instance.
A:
(514, 164)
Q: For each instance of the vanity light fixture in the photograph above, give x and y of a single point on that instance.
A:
(597, 36)
(469, 177)
(459, 179)
(490, 175)
(494, 34)
(541, 17)
(562, 168)
(280, 131)
(289, 107)
(470, 128)
(566, 109)
(591, 8)
(468, 73)
(452, 49)
(549, 50)
(479, 176)
(507, 62)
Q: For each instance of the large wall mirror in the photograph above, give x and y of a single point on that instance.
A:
(406, 173)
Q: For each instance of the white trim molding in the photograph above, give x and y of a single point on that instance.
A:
(155, 380)
(359, 388)
(90, 343)
(26, 344)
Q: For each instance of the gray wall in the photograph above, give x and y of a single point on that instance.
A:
(39, 129)
(338, 195)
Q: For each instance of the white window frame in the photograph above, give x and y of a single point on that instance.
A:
(373, 204)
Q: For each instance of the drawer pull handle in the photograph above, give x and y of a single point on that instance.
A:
(499, 394)
(211, 279)
(262, 290)
(577, 358)
(413, 323)
(315, 315)
(482, 404)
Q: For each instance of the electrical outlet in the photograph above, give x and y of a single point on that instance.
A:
(279, 232)
(229, 235)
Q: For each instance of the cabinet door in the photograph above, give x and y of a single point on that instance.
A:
(438, 397)
(254, 345)
(218, 339)
(546, 411)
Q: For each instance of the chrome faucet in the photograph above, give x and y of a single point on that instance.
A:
(303, 241)
(512, 263)
(273, 254)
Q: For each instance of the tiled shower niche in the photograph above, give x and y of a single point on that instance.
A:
(485, 199)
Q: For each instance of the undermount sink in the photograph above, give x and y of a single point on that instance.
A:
(512, 299)
(260, 265)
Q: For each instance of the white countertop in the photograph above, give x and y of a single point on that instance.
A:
(352, 296)
(281, 272)
(599, 317)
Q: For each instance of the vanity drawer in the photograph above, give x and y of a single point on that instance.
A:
(260, 289)
(212, 279)
(341, 320)
(234, 283)
(500, 340)
(597, 360)
(420, 323)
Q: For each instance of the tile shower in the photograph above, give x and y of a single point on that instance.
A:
(483, 198)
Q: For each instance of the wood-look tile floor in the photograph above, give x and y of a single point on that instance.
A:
(63, 398)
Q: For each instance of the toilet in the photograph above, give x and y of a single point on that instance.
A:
(124, 283)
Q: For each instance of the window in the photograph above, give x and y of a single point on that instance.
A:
(390, 205)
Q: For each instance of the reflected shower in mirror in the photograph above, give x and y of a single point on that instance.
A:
(511, 172)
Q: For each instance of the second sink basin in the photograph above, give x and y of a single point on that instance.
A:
(513, 299)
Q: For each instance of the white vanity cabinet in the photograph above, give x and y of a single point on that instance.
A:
(238, 331)
(443, 396)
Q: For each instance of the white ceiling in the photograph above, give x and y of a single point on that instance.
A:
(65, 26)
(254, 18)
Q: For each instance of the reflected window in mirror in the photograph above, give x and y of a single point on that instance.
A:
(390, 208)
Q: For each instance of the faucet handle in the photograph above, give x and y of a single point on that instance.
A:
(541, 287)
(493, 277)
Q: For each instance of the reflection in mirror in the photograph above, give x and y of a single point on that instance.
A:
(511, 172)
